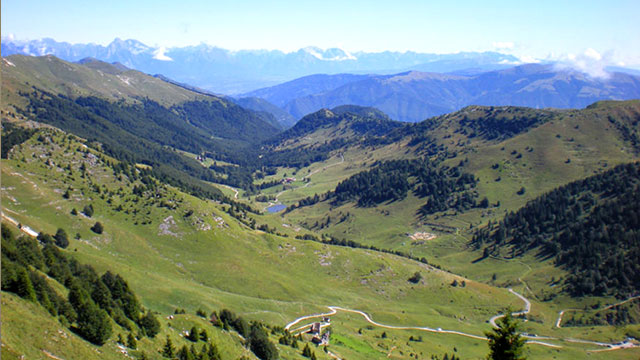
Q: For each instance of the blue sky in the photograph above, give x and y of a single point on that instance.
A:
(608, 30)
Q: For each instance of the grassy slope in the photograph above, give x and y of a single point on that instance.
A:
(60, 77)
(216, 267)
(585, 137)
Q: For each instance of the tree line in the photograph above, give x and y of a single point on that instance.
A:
(442, 187)
(591, 227)
(93, 300)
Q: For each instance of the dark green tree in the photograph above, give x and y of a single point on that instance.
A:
(93, 323)
(24, 286)
(204, 336)
(194, 335)
(61, 238)
(97, 228)
(260, 344)
(132, 343)
(213, 352)
(168, 350)
(185, 354)
(306, 352)
(505, 342)
(150, 324)
(415, 278)
(88, 210)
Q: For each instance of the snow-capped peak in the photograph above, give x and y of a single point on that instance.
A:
(333, 54)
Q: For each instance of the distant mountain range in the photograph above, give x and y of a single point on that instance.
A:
(232, 72)
(415, 96)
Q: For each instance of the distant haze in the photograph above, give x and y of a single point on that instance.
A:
(232, 72)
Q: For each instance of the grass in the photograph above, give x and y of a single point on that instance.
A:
(208, 260)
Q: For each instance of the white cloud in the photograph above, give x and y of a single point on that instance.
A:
(503, 45)
(159, 54)
(590, 62)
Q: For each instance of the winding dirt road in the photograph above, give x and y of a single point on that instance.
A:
(527, 309)
(531, 338)
(232, 189)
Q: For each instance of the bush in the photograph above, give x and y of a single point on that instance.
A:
(97, 228)
(88, 210)
(415, 278)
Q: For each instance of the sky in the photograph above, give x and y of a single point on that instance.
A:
(586, 30)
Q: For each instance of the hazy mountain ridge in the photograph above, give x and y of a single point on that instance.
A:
(227, 71)
(415, 96)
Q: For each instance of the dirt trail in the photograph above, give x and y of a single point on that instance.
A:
(531, 338)
(276, 202)
(527, 309)
(232, 189)
(25, 229)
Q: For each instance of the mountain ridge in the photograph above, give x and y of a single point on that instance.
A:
(232, 72)
(414, 96)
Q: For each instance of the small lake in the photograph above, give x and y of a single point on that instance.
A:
(276, 208)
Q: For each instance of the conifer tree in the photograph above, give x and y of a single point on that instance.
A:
(24, 286)
(306, 352)
(168, 350)
(204, 336)
(213, 352)
(505, 342)
(131, 341)
(61, 238)
(193, 334)
(185, 354)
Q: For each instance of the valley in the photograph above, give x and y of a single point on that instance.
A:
(379, 230)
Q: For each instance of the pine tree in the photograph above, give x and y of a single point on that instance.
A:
(88, 210)
(505, 342)
(194, 352)
(94, 323)
(213, 352)
(185, 354)
(168, 350)
(260, 344)
(131, 341)
(61, 238)
(24, 286)
(306, 352)
(193, 334)
(150, 324)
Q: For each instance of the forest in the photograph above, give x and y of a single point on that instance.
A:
(117, 127)
(92, 301)
(590, 227)
(442, 187)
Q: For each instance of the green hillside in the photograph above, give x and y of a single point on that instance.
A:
(90, 78)
(175, 196)
(176, 251)
(589, 226)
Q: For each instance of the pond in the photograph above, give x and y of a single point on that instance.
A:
(276, 208)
